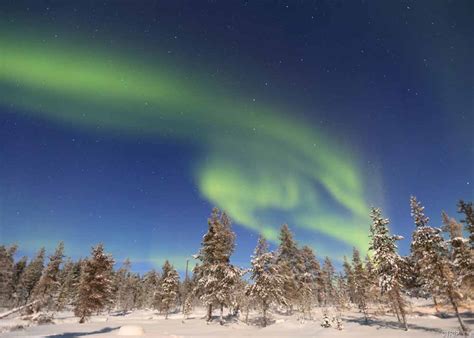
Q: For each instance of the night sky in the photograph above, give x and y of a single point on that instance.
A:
(127, 121)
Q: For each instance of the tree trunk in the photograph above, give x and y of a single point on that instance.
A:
(395, 306)
(435, 304)
(455, 306)
(221, 320)
(6, 314)
(166, 313)
(264, 315)
(401, 309)
(402, 312)
(209, 313)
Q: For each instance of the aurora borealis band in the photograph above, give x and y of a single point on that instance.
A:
(262, 161)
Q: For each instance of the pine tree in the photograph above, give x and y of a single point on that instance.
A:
(387, 262)
(217, 279)
(188, 306)
(349, 279)
(186, 289)
(342, 293)
(328, 277)
(309, 280)
(430, 255)
(361, 284)
(30, 277)
(169, 288)
(289, 266)
(372, 281)
(267, 287)
(467, 210)
(95, 290)
(148, 289)
(18, 270)
(461, 256)
(125, 288)
(47, 288)
(6, 275)
(158, 300)
(68, 280)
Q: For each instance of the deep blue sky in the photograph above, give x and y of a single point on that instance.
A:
(390, 83)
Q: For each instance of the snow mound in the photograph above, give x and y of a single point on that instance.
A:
(131, 330)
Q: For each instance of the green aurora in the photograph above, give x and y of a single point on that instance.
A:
(252, 159)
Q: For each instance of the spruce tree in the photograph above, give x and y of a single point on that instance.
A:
(461, 256)
(349, 279)
(148, 289)
(289, 264)
(309, 281)
(328, 278)
(124, 286)
(468, 211)
(387, 262)
(431, 257)
(6, 275)
(47, 289)
(342, 293)
(267, 286)
(95, 290)
(69, 280)
(187, 306)
(361, 284)
(186, 289)
(169, 288)
(30, 277)
(158, 299)
(18, 270)
(217, 279)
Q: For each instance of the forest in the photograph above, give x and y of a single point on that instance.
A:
(291, 280)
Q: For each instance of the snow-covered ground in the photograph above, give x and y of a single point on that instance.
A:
(421, 323)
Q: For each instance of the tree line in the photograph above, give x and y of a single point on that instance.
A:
(289, 279)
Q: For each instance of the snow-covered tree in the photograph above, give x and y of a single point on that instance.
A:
(169, 288)
(372, 278)
(387, 262)
(158, 299)
(186, 289)
(290, 266)
(46, 290)
(349, 279)
(30, 276)
(431, 257)
(18, 269)
(216, 278)
(338, 324)
(361, 284)
(188, 306)
(461, 256)
(326, 322)
(6, 275)
(328, 277)
(468, 211)
(308, 279)
(148, 288)
(125, 287)
(342, 298)
(69, 280)
(267, 286)
(95, 290)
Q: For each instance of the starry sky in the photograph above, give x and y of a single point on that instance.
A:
(125, 122)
